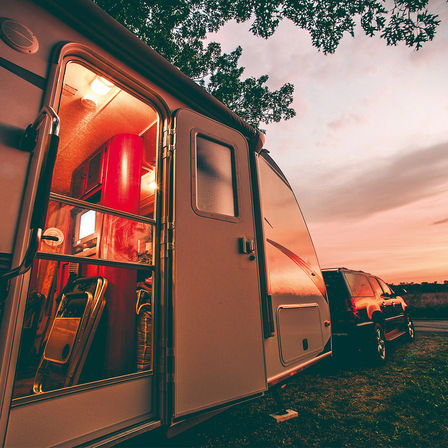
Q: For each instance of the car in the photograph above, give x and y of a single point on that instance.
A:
(365, 312)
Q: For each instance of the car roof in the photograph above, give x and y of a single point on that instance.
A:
(347, 270)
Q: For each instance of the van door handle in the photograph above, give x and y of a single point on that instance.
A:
(49, 159)
(247, 246)
(43, 189)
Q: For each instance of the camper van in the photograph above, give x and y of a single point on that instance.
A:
(154, 264)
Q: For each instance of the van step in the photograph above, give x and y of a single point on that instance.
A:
(394, 334)
(282, 414)
(288, 415)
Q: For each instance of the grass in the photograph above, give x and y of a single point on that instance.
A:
(431, 305)
(345, 403)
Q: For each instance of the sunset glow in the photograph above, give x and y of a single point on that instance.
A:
(367, 153)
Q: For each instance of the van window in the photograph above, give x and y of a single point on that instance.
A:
(103, 124)
(89, 312)
(215, 178)
(359, 285)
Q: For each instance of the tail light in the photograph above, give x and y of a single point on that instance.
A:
(351, 307)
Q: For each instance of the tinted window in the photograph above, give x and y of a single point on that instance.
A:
(359, 285)
(376, 286)
(214, 177)
(386, 288)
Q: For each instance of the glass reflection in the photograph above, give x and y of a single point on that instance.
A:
(290, 256)
(83, 323)
(83, 232)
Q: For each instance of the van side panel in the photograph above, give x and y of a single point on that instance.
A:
(88, 414)
(14, 118)
(295, 283)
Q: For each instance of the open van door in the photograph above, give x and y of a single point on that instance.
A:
(218, 341)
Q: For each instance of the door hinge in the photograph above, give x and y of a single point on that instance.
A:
(167, 151)
(169, 225)
(168, 143)
(167, 248)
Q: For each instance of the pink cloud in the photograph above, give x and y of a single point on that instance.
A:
(346, 121)
(399, 244)
(442, 221)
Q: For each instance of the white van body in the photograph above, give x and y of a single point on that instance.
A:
(210, 291)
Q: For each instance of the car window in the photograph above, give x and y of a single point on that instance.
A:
(376, 286)
(386, 288)
(358, 284)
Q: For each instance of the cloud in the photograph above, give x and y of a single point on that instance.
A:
(396, 181)
(345, 121)
(442, 221)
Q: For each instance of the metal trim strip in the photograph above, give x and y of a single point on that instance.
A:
(298, 305)
(23, 73)
(284, 375)
(94, 261)
(363, 324)
(395, 317)
(99, 208)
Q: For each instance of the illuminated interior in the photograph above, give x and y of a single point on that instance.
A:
(89, 308)
(86, 124)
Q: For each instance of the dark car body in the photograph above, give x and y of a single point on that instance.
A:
(361, 304)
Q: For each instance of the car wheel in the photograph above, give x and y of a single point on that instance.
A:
(378, 351)
(410, 330)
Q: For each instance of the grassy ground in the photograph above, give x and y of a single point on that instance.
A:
(345, 404)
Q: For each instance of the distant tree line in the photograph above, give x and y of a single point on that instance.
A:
(418, 288)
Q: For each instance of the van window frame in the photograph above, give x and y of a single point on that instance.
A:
(123, 78)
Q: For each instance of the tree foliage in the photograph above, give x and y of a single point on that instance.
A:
(177, 29)
(327, 21)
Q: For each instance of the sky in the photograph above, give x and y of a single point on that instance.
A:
(367, 153)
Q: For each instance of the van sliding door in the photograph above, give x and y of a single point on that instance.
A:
(218, 342)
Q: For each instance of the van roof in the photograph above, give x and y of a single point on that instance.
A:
(271, 162)
(94, 23)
